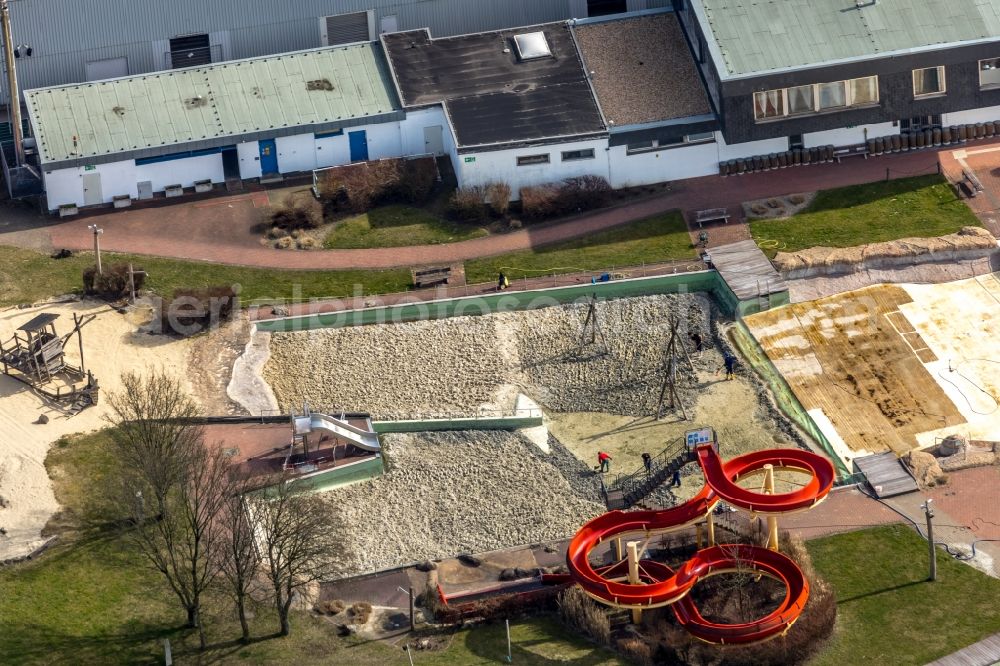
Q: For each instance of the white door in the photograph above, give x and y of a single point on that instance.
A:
(389, 24)
(434, 140)
(92, 189)
(98, 70)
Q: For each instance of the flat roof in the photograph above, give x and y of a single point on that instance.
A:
(39, 321)
(200, 106)
(642, 69)
(491, 95)
(760, 36)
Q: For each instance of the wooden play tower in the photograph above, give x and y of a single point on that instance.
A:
(36, 356)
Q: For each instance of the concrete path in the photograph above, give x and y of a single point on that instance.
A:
(984, 653)
(228, 230)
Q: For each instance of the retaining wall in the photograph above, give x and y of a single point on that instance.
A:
(471, 423)
(703, 281)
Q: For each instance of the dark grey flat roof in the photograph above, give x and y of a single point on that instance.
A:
(492, 97)
(38, 322)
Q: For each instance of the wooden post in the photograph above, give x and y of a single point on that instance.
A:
(772, 520)
(633, 575)
(413, 617)
(710, 523)
(79, 339)
(618, 549)
(697, 534)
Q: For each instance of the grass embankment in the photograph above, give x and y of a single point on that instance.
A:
(887, 612)
(398, 226)
(92, 600)
(655, 239)
(922, 206)
(27, 276)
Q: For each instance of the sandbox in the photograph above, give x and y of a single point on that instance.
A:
(892, 367)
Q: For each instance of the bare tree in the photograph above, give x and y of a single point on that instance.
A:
(238, 557)
(152, 431)
(173, 486)
(296, 548)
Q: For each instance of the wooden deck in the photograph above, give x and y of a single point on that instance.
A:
(886, 474)
(746, 270)
(984, 653)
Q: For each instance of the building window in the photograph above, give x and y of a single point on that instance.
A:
(989, 73)
(656, 144)
(928, 81)
(795, 142)
(526, 160)
(571, 155)
(815, 98)
(769, 104)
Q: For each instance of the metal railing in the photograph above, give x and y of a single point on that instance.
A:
(638, 484)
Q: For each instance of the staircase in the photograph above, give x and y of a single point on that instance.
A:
(628, 490)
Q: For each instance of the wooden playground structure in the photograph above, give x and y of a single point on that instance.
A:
(36, 356)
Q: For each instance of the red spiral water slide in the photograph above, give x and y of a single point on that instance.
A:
(661, 586)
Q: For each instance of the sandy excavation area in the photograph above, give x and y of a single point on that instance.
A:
(460, 364)
(742, 418)
(893, 367)
(452, 492)
(112, 346)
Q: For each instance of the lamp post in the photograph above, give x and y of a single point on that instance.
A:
(14, 103)
(97, 245)
(929, 515)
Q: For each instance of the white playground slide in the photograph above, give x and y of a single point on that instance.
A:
(362, 439)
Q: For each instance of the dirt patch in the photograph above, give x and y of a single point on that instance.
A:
(845, 356)
(210, 359)
(774, 208)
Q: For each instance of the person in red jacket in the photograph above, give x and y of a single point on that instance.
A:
(605, 461)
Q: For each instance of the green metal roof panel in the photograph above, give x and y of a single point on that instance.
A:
(229, 99)
(760, 36)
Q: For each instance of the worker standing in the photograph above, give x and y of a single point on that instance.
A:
(647, 462)
(605, 461)
(730, 362)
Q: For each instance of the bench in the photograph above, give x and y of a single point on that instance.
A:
(851, 151)
(976, 186)
(427, 277)
(711, 215)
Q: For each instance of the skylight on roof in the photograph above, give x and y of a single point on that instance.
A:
(532, 45)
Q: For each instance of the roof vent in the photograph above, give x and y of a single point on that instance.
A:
(532, 45)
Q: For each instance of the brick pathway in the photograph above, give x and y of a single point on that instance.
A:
(227, 230)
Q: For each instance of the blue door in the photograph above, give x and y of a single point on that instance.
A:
(359, 146)
(268, 156)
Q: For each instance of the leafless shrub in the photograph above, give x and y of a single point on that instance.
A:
(581, 613)
(498, 197)
(466, 204)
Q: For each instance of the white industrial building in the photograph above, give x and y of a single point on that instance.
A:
(631, 98)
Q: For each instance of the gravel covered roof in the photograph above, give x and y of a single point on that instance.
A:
(642, 70)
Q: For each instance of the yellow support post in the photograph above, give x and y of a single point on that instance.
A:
(618, 549)
(697, 534)
(772, 521)
(711, 529)
(633, 575)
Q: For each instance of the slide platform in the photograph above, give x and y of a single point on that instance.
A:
(662, 586)
(363, 439)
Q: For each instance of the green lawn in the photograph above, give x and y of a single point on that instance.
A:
(887, 210)
(398, 226)
(27, 276)
(92, 600)
(886, 611)
(655, 239)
